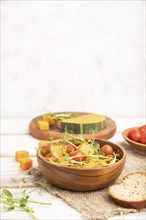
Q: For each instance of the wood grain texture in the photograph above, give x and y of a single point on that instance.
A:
(137, 147)
(81, 179)
(54, 132)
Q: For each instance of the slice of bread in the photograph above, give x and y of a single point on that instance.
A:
(131, 191)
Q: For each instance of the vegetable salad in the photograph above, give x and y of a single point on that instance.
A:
(78, 153)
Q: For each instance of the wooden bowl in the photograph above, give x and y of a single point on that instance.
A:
(137, 147)
(82, 179)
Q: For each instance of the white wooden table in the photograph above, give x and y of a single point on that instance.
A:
(14, 136)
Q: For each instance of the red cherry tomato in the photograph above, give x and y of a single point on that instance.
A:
(143, 139)
(52, 157)
(78, 156)
(134, 135)
(107, 150)
(142, 129)
(70, 149)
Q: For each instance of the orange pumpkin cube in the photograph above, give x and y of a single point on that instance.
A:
(48, 119)
(43, 125)
(26, 163)
(21, 154)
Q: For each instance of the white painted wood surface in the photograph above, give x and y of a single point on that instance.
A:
(14, 136)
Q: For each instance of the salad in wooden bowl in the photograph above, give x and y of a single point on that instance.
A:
(80, 164)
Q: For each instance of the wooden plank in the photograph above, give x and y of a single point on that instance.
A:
(11, 169)
(9, 165)
(15, 125)
(12, 143)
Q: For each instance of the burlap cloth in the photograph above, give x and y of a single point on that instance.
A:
(94, 205)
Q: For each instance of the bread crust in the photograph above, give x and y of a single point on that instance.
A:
(128, 204)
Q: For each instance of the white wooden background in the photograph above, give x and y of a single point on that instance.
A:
(73, 56)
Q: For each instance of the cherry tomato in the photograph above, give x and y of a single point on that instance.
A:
(52, 157)
(78, 154)
(107, 149)
(142, 129)
(143, 139)
(134, 135)
(70, 149)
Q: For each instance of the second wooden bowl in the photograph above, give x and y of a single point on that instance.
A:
(137, 147)
(81, 179)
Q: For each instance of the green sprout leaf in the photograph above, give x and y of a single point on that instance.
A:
(62, 116)
(7, 193)
(10, 208)
(11, 203)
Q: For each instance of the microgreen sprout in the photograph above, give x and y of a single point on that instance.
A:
(62, 116)
(10, 202)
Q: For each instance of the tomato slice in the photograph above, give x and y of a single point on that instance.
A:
(70, 149)
(78, 155)
(134, 135)
(52, 157)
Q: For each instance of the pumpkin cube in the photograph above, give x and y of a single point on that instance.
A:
(48, 119)
(43, 125)
(21, 154)
(26, 163)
